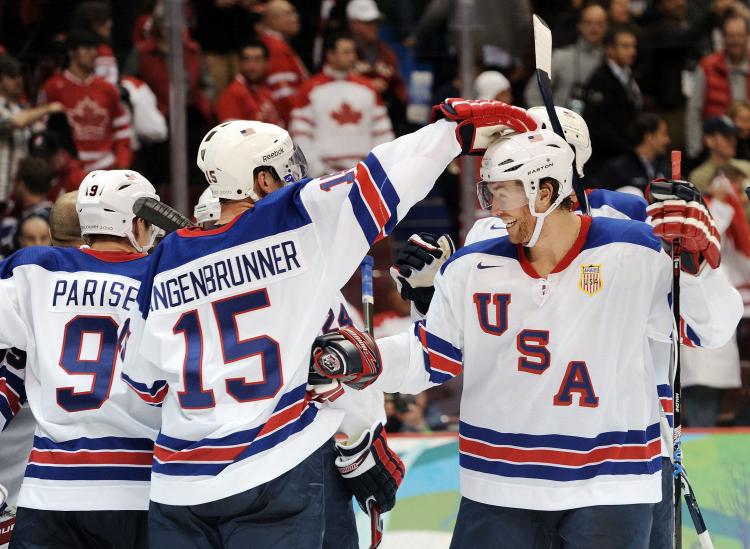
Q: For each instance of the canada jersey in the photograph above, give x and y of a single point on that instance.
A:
(602, 203)
(228, 316)
(93, 442)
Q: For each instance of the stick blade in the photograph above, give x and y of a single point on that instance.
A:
(542, 46)
(163, 216)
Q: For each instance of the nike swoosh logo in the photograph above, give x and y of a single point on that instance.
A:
(495, 227)
(480, 266)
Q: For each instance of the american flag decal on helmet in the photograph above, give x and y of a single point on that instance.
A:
(247, 131)
(590, 280)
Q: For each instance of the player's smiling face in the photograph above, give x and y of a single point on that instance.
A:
(511, 205)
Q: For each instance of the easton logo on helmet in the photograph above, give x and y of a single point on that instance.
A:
(539, 169)
(272, 155)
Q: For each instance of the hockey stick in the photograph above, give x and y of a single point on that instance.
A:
(676, 387)
(373, 509)
(159, 214)
(681, 482)
(543, 54)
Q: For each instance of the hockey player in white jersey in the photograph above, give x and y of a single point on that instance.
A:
(87, 480)
(17, 438)
(417, 264)
(364, 409)
(227, 316)
(559, 432)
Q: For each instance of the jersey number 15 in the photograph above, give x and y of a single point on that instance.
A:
(194, 395)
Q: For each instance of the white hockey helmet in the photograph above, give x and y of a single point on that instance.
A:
(574, 127)
(528, 158)
(105, 204)
(231, 152)
(208, 209)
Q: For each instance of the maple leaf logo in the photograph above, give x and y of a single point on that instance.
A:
(346, 115)
(89, 120)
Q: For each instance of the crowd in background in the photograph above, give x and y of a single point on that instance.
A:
(84, 85)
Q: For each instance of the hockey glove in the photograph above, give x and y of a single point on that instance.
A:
(346, 355)
(416, 266)
(481, 122)
(677, 211)
(371, 470)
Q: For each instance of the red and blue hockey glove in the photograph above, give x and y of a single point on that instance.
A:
(346, 355)
(481, 122)
(371, 470)
(677, 211)
(416, 266)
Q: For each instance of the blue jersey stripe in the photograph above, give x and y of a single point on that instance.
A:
(390, 196)
(239, 437)
(562, 442)
(14, 382)
(664, 390)
(53, 472)
(442, 346)
(363, 215)
(692, 336)
(71, 260)
(5, 410)
(562, 474)
(266, 443)
(103, 443)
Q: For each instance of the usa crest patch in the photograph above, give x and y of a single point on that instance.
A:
(590, 280)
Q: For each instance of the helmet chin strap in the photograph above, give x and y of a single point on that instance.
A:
(539, 217)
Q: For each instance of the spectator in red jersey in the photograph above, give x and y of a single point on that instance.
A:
(286, 71)
(338, 116)
(375, 59)
(95, 17)
(247, 97)
(100, 123)
(67, 171)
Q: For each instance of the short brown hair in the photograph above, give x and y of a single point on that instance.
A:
(36, 174)
(567, 203)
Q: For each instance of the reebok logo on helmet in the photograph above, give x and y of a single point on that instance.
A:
(272, 155)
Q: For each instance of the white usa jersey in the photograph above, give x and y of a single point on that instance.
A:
(558, 407)
(228, 317)
(620, 205)
(93, 443)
